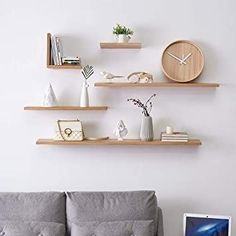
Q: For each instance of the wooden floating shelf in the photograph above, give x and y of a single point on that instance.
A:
(121, 45)
(49, 64)
(191, 142)
(65, 108)
(76, 67)
(156, 85)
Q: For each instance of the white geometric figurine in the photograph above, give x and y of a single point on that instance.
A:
(49, 99)
(121, 131)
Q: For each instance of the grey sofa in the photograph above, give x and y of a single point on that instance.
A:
(80, 214)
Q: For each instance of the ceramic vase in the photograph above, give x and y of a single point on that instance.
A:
(123, 38)
(146, 131)
(84, 99)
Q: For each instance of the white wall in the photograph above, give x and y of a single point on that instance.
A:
(185, 179)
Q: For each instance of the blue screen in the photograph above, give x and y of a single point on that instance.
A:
(206, 227)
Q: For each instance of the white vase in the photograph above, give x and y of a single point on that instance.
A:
(84, 98)
(146, 130)
(123, 38)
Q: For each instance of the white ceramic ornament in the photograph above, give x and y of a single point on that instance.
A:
(49, 99)
(110, 76)
(121, 131)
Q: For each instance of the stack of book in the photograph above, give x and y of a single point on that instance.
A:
(175, 137)
(56, 50)
(57, 57)
(71, 60)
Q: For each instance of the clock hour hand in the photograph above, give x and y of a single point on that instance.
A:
(175, 57)
(189, 55)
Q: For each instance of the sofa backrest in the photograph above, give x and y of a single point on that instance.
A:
(77, 207)
(113, 206)
(44, 206)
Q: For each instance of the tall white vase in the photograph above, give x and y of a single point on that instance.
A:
(84, 98)
(146, 131)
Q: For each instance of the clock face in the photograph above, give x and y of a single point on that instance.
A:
(182, 61)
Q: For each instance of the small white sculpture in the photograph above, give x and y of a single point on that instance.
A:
(109, 76)
(141, 77)
(121, 131)
(49, 99)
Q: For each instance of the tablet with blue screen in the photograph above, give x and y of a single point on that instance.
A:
(206, 225)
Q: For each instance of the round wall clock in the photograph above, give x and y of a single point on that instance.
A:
(182, 61)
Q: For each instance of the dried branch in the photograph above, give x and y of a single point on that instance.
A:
(87, 71)
(146, 107)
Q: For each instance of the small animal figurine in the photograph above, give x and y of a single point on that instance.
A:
(109, 76)
(142, 77)
(49, 99)
(121, 131)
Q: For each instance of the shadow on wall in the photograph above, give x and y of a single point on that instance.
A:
(150, 35)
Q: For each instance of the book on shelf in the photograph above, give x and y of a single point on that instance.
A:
(57, 57)
(175, 137)
(174, 140)
(71, 60)
(56, 50)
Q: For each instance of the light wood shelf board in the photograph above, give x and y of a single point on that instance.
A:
(191, 142)
(113, 45)
(156, 85)
(65, 108)
(64, 67)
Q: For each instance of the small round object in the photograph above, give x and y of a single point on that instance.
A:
(68, 131)
(182, 61)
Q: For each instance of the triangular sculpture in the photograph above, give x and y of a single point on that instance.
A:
(50, 99)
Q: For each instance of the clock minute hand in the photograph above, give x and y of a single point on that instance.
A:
(189, 55)
(178, 59)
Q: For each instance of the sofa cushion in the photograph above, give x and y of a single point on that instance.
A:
(47, 207)
(19, 228)
(113, 228)
(111, 206)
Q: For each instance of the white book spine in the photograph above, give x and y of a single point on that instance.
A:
(59, 50)
(55, 53)
(177, 140)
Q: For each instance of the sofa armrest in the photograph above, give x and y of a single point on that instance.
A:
(160, 228)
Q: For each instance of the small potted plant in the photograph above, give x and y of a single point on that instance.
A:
(146, 130)
(122, 33)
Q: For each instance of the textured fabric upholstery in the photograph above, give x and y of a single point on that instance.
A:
(47, 207)
(18, 228)
(160, 229)
(111, 206)
(78, 207)
(113, 228)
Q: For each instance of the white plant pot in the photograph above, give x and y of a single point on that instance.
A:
(84, 98)
(123, 38)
